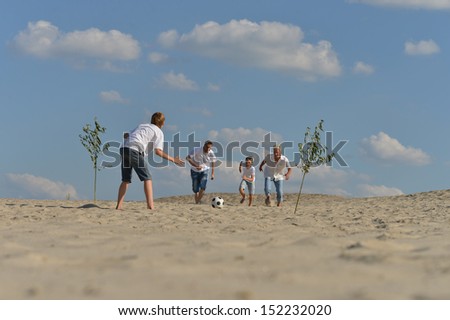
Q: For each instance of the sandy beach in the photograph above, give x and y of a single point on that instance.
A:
(333, 248)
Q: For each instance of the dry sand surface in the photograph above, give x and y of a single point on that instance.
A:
(333, 248)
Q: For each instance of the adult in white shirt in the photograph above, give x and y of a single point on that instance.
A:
(202, 161)
(276, 170)
(138, 143)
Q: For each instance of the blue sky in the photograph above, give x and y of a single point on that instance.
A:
(376, 71)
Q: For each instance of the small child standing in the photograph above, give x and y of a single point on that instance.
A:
(248, 179)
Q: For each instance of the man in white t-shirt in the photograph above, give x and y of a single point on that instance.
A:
(277, 169)
(201, 160)
(138, 143)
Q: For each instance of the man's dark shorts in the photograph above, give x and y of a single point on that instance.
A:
(132, 159)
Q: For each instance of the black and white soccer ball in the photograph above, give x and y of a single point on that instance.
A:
(217, 202)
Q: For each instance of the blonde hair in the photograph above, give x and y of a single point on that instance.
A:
(158, 119)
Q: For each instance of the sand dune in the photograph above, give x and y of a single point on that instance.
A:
(333, 248)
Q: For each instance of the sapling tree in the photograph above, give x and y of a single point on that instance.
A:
(93, 144)
(312, 154)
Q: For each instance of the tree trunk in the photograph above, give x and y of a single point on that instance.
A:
(300, 191)
(95, 184)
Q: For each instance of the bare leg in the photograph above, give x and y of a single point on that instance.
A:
(121, 194)
(268, 202)
(148, 190)
(250, 200)
(242, 192)
(199, 196)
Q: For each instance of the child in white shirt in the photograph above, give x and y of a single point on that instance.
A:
(248, 179)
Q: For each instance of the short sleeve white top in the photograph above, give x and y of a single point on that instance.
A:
(145, 138)
(275, 169)
(248, 172)
(202, 159)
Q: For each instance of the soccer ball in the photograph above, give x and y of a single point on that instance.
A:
(217, 202)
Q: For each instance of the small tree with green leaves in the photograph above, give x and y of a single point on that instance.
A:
(312, 154)
(93, 144)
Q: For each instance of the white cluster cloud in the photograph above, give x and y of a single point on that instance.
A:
(424, 47)
(341, 182)
(213, 87)
(324, 180)
(112, 96)
(267, 45)
(158, 58)
(368, 190)
(44, 40)
(243, 135)
(389, 150)
(39, 187)
(414, 4)
(178, 81)
(363, 68)
(198, 110)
